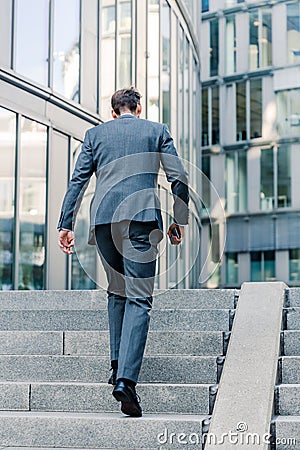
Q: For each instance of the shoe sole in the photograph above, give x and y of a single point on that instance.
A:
(128, 406)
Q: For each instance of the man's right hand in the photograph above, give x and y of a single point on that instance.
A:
(66, 241)
(175, 240)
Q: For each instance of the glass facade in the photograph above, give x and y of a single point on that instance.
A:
(7, 197)
(83, 52)
(293, 32)
(260, 38)
(275, 178)
(288, 112)
(32, 26)
(214, 48)
(252, 164)
(66, 48)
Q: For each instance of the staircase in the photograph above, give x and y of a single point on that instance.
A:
(286, 422)
(54, 367)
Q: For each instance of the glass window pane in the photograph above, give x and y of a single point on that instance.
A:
(7, 196)
(33, 156)
(214, 47)
(186, 116)
(181, 91)
(232, 269)
(153, 60)
(84, 264)
(206, 182)
(124, 45)
(205, 117)
(231, 191)
(253, 40)
(230, 45)
(255, 108)
(66, 53)
(284, 176)
(256, 266)
(282, 112)
(294, 107)
(108, 66)
(294, 266)
(32, 33)
(269, 266)
(166, 61)
(242, 181)
(241, 127)
(266, 39)
(267, 179)
(215, 132)
(205, 5)
(293, 32)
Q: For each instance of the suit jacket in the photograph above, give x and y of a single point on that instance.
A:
(126, 154)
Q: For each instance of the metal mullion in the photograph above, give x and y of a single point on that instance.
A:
(116, 41)
(16, 249)
(236, 180)
(160, 65)
(79, 45)
(50, 43)
(98, 60)
(275, 177)
(209, 104)
(248, 112)
(260, 30)
(46, 280)
(13, 37)
(133, 35)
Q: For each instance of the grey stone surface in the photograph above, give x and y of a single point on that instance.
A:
(190, 320)
(289, 399)
(292, 343)
(32, 320)
(294, 296)
(14, 397)
(93, 369)
(96, 299)
(291, 370)
(167, 319)
(287, 433)
(155, 398)
(195, 298)
(31, 342)
(293, 319)
(246, 389)
(99, 431)
(197, 343)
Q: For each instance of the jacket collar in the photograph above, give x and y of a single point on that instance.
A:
(127, 116)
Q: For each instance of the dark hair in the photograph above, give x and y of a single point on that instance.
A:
(127, 98)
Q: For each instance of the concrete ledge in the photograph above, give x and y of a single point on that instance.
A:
(245, 397)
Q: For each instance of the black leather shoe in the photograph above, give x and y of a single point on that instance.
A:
(130, 402)
(113, 378)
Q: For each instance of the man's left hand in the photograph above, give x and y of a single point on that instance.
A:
(174, 239)
(66, 241)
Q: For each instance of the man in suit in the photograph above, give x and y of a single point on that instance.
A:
(126, 225)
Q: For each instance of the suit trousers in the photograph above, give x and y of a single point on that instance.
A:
(128, 251)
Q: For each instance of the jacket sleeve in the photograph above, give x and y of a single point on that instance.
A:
(176, 175)
(84, 169)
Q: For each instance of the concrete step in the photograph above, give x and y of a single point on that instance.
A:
(287, 432)
(290, 370)
(162, 320)
(197, 343)
(97, 299)
(291, 343)
(99, 431)
(95, 369)
(293, 318)
(96, 397)
(288, 399)
(293, 297)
